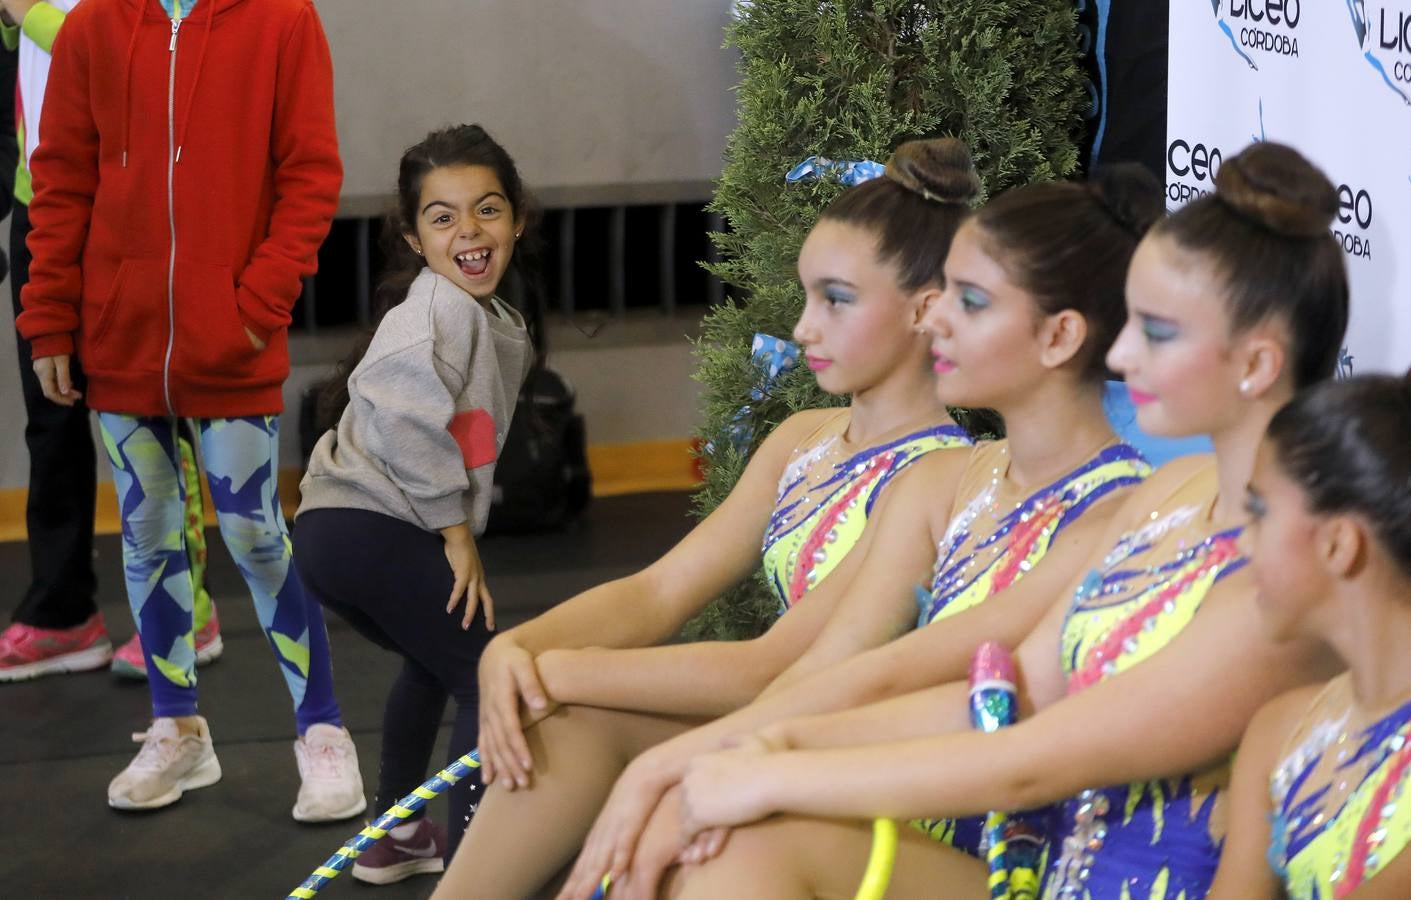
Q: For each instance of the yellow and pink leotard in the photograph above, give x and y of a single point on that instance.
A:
(1339, 810)
(1157, 839)
(997, 535)
(825, 498)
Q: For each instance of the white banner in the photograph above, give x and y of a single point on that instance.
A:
(1331, 78)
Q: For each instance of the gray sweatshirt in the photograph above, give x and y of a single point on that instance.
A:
(428, 408)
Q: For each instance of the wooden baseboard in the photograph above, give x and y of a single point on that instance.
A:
(617, 469)
(643, 466)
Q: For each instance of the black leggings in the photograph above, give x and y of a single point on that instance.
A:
(390, 580)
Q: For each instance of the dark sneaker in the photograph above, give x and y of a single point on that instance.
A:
(390, 860)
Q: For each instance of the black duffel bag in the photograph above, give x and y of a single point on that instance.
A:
(542, 480)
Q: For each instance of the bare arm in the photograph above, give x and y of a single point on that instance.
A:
(1180, 711)
(930, 656)
(1391, 883)
(643, 608)
(1244, 872)
(649, 606)
(926, 713)
(709, 678)
(941, 652)
(892, 556)
(929, 711)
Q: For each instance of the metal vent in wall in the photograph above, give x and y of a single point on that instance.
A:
(591, 259)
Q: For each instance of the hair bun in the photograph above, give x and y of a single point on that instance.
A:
(1129, 193)
(938, 169)
(1275, 186)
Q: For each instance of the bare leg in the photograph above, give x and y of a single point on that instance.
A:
(788, 857)
(518, 840)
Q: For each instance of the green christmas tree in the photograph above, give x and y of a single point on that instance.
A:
(852, 80)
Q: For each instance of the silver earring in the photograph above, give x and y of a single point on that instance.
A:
(1245, 387)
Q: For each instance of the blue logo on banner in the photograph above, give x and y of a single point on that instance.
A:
(1230, 33)
(1268, 26)
(1396, 39)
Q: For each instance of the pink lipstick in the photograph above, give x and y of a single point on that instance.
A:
(1140, 398)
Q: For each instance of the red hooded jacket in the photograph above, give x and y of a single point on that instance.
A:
(184, 183)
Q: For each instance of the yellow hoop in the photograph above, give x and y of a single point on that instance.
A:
(879, 864)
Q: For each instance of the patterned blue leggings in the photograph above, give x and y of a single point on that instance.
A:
(241, 457)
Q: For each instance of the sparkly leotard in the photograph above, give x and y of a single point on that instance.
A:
(1152, 839)
(995, 539)
(990, 544)
(1339, 811)
(824, 501)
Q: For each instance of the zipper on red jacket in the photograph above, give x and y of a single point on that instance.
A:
(171, 213)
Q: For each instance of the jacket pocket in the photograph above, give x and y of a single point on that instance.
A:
(130, 324)
(210, 338)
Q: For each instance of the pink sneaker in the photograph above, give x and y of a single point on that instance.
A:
(128, 661)
(29, 652)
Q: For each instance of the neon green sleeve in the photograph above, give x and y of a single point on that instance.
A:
(9, 36)
(42, 24)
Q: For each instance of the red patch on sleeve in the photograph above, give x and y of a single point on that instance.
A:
(474, 431)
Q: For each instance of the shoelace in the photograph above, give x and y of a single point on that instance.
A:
(324, 760)
(156, 753)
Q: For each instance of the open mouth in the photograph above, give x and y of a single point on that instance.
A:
(473, 263)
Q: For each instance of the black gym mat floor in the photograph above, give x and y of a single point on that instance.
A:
(62, 738)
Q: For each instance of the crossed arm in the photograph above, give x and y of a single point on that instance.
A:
(834, 621)
(1182, 710)
(929, 656)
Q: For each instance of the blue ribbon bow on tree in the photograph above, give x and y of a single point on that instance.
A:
(850, 172)
(772, 357)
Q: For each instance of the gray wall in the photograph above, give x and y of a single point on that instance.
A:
(605, 93)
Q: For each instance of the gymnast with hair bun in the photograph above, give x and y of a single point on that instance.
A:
(1235, 303)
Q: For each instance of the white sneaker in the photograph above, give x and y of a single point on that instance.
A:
(168, 764)
(332, 786)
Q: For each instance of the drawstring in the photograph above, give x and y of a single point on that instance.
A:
(127, 83)
(210, 6)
